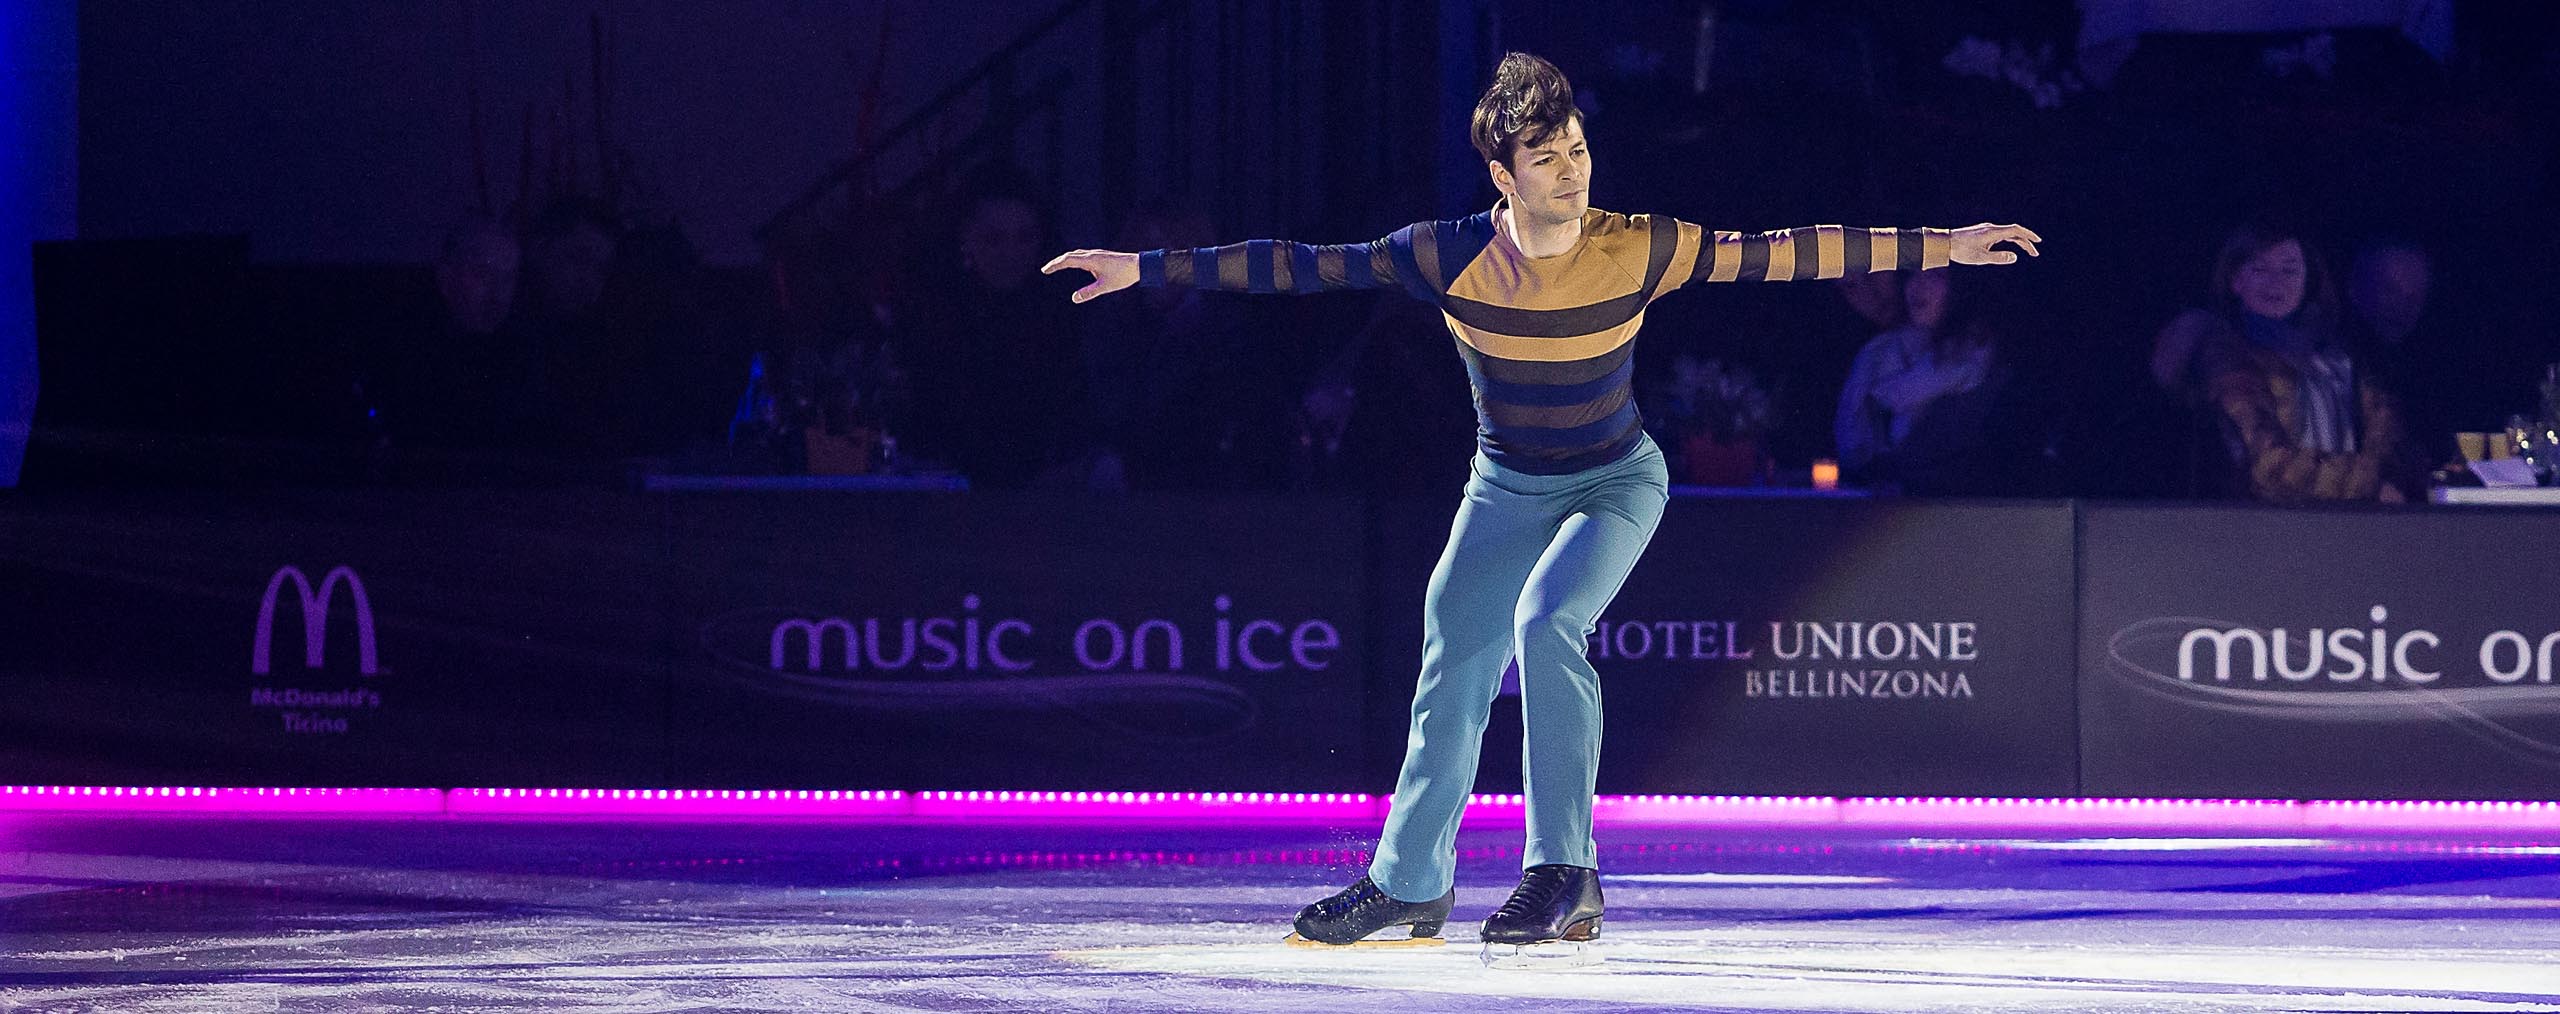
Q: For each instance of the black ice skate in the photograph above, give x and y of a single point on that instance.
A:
(1349, 917)
(1549, 922)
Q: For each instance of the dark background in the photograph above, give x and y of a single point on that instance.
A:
(753, 146)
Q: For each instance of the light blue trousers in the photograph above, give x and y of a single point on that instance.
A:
(1531, 562)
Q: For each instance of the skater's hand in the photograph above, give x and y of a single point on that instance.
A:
(1973, 243)
(1112, 270)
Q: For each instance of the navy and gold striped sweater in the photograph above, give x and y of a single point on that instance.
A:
(1548, 341)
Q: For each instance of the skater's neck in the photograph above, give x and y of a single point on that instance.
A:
(1539, 238)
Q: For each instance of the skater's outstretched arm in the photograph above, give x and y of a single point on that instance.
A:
(1261, 265)
(1830, 251)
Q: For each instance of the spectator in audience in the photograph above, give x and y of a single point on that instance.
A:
(997, 369)
(2199, 463)
(593, 379)
(2436, 381)
(2387, 288)
(1930, 407)
(1803, 356)
(454, 392)
(1876, 297)
(476, 274)
(570, 250)
(2302, 420)
(1163, 369)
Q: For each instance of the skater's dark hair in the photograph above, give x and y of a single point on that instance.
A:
(1528, 103)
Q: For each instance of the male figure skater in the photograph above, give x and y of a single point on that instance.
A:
(1544, 294)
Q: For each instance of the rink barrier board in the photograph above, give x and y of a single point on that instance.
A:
(1216, 644)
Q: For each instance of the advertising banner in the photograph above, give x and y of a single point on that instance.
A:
(2316, 654)
(1805, 647)
(328, 638)
(995, 641)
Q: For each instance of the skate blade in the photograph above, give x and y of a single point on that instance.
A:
(1390, 943)
(1544, 956)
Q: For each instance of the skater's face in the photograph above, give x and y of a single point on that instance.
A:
(2272, 283)
(1552, 181)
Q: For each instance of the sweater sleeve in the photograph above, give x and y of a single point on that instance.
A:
(1283, 266)
(1810, 252)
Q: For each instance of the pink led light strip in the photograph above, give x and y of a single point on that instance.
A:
(167, 799)
(1295, 807)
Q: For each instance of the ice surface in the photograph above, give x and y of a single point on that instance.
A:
(200, 914)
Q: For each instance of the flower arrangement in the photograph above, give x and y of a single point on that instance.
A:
(1724, 400)
(1712, 419)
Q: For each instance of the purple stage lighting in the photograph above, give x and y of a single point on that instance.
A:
(1219, 808)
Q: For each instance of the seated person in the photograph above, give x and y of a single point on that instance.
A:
(1918, 413)
(2302, 421)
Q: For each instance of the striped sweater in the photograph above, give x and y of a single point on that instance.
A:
(1548, 341)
